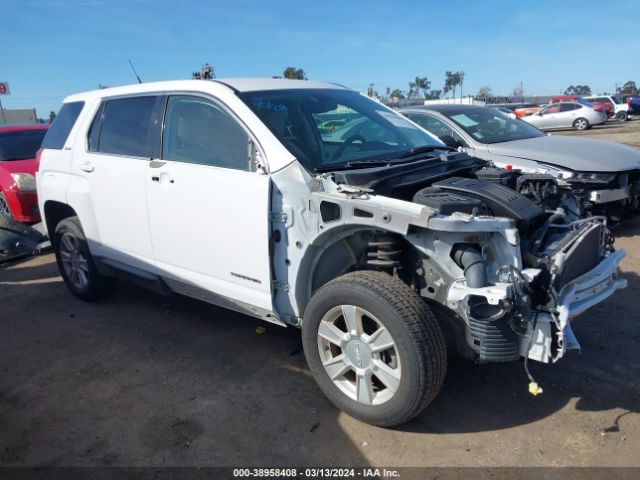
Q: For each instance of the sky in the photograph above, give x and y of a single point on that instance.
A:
(51, 49)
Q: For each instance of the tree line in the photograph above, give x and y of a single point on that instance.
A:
(420, 87)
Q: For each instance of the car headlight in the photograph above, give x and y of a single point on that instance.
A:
(565, 174)
(595, 177)
(25, 182)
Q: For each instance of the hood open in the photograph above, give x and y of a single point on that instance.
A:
(581, 154)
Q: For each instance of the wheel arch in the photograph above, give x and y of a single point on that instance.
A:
(54, 213)
(336, 252)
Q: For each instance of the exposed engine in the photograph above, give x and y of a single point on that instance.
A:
(554, 245)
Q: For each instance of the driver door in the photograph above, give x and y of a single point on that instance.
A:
(208, 207)
(549, 117)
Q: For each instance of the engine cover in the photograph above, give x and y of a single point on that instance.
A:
(500, 200)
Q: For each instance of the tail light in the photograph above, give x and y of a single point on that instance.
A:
(38, 155)
(598, 109)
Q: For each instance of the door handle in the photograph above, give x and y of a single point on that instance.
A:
(87, 167)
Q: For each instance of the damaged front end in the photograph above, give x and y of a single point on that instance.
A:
(517, 278)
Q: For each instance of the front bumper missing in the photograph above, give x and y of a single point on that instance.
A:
(575, 298)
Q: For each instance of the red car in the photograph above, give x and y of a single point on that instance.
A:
(599, 106)
(18, 147)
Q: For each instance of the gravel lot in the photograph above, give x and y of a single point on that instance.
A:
(141, 379)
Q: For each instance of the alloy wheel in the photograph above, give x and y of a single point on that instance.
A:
(73, 261)
(359, 355)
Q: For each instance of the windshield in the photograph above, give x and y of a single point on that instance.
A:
(617, 100)
(489, 125)
(20, 144)
(325, 128)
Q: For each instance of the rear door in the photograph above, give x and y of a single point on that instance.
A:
(568, 114)
(121, 142)
(208, 207)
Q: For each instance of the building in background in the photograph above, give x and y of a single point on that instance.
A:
(18, 116)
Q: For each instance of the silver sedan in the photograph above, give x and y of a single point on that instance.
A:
(567, 115)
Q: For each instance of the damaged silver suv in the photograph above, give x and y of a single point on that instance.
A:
(310, 205)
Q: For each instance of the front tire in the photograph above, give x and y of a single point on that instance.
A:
(374, 347)
(622, 116)
(75, 261)
(581, 124)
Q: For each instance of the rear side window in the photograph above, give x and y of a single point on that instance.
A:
(122, 127)
(62, 125)
(20, 145)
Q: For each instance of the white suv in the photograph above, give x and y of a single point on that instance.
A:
(618, 107)
(307, 204)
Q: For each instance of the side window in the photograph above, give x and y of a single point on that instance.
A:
(555, 108)
(567, 107)
(436, 127)
(94, 131)
(196, 130)
(431, 124)
(62, 125)
(126, 124)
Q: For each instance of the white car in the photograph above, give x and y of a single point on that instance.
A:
(619, 107)
(384, 247)
(565, 115)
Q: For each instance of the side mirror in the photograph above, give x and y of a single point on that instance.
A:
(449, 141)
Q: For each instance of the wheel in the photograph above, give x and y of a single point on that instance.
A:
(581, 124)
(622, 116)
(75, 262)
(4, 206)
(374, 347)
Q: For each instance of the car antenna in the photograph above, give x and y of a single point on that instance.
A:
(134, 72)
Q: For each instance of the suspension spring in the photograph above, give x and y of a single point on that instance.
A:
(383, 252)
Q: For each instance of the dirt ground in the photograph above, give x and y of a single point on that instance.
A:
(145, 380)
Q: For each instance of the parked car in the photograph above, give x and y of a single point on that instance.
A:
(604, 176)
(385, 251)
(507, 112)
(617, 107)
(633, 106)
(567, 115)
(526, 110)
(598, 106)
(18, 146)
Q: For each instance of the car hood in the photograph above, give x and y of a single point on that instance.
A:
(581, 154)
(19, 166)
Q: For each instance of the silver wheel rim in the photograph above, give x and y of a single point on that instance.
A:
(4, 208)
(74, 263)
(359, 355)
(581, 124)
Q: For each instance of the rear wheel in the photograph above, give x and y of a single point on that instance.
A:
(75, 262)
(4, 206)
(374, 347)
(581, 124)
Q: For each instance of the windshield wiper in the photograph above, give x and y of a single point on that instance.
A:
(412, 152)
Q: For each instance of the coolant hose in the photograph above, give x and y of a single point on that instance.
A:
(469, 258)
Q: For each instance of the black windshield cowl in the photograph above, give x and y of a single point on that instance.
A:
(402, 179)
(408, 156)
(413, 152)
